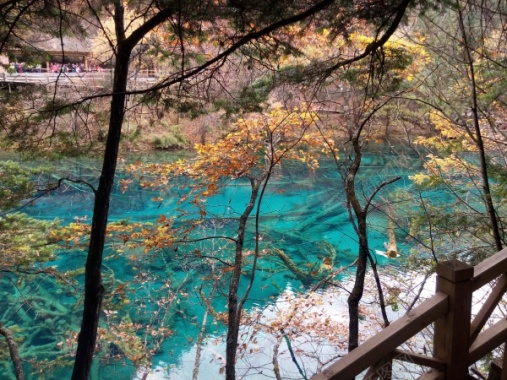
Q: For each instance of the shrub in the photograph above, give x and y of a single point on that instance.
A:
(172, 139)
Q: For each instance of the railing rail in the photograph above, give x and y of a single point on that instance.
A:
(388, 339)
(139, 79)
(451, 311)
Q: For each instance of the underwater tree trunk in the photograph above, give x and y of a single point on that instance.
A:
(305, 278)
(13, 351)
(391, 246)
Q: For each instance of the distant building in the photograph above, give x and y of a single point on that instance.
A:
(43, 52)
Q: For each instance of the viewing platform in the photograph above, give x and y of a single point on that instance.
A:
(461, 336)
(102, 79)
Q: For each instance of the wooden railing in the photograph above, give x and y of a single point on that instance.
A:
(458, 340)
(98, 79)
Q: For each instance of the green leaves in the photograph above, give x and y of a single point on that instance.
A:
(17, 184)
(25, 241)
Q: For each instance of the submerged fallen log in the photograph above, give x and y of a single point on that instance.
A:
(306, 278)
(391, 246)
(13, 350)
(328, 209)
(314, 273)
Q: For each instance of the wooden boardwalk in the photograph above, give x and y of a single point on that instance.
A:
(459, 337)
(92, 79)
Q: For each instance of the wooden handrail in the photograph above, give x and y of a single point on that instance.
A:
(486, 342)
(450, 308)
(387, 340)
(137, 80)
(490, 269)
(489, 306)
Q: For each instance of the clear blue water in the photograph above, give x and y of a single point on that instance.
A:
(300, 211)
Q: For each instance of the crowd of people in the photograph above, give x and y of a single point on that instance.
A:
(54, 67)
(66, 68)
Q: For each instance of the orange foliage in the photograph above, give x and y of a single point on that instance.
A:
(255, 144)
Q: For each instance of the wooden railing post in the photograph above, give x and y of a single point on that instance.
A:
(452, 331)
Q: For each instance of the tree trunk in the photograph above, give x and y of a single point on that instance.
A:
(381, 299)
(358, 219)
(357, 291)
(488, 199)
(94, 289)
(234, 319)
(13, 350)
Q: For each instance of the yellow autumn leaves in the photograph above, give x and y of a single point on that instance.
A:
(253, 146)
(455, 140)
(314, 45)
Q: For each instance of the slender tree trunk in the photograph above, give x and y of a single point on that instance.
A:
(382, 301)
(234, 314)
(357, 291)
(276, 366)
(200, 339)
(477, 137)
(360, 228)
(358, 215)
(94, 290)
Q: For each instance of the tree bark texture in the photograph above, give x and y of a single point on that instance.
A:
(360, 227)
(13, 351)
(234, 319)
(94, 290)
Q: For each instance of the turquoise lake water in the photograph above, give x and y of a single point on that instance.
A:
(302, 214)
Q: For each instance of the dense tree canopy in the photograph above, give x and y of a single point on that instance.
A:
(253, 87)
